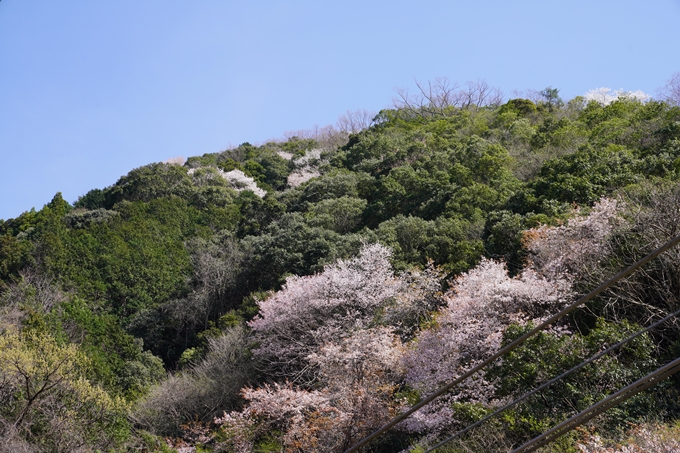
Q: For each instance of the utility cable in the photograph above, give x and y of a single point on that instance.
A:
(552, 381)
(617, 398)
(515, 343)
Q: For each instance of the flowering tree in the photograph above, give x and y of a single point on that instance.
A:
(312, 311)
(179, 160)
(306, 167)
(240, 181)
(648, 218)
(236, 179)
(359, 375)
(338, 333)
(270, 408)
(606, 96)
(481, 304)
(567, 251)
(419, 299)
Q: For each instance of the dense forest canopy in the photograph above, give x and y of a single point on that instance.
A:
(295, 295)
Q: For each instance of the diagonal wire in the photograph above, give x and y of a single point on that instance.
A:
(552, 381)
(626, 272)
(617, 398)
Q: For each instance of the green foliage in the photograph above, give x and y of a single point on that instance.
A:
(341, 215)
(117, 360)
(176, 258)
(215, 197)
(274, 169)
(78, 219)
(548, 132)
(587, 175)
(256, 213)
(545, 356)
(94, 199)
(48, 403)
(503, 233)
(15, 254)
(298, 146)
(551, 97)
(152, 444)
(414, 177)
(289, 246)
(148, 183)
(335, 184)
(451, 243)
(521, 107)
(261, 163)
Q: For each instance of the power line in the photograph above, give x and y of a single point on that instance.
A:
(552, 381)
(617, 398)
(515, 343)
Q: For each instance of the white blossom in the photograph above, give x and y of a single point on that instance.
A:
(285, 155)
(565, 251)
(179, 160)
(312, 311)
(606, 96)
(299, 177)
(236, 178)
(240, 181)
(481, 305)
(306, 168)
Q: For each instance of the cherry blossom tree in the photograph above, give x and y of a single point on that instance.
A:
(312, 311)
(179, 160)
(333, 340)
(358, 375)
(305, 167)
(606, 96)
(337, 336)
(419, 299)
(567, 251)
(481, 305)
(236, 179)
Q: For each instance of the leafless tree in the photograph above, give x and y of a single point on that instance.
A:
(530, 94)
(203, 390)
(216, 270)
(327, 137)
(35, 290)
(653, 217)
(12, 441)
(480, 94)
(671, 91)
(355, 121)
(433, 98)
(439, 96)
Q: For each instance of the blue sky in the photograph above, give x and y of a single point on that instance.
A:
(91, 89)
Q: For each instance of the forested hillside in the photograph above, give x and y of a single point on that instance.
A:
(295, 295)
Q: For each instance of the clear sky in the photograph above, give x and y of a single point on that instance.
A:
(90, 90)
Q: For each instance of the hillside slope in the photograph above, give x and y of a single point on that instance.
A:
(433, 231)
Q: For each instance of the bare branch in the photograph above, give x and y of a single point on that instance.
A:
(355, 121)
(439, 96)
(671, 91)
